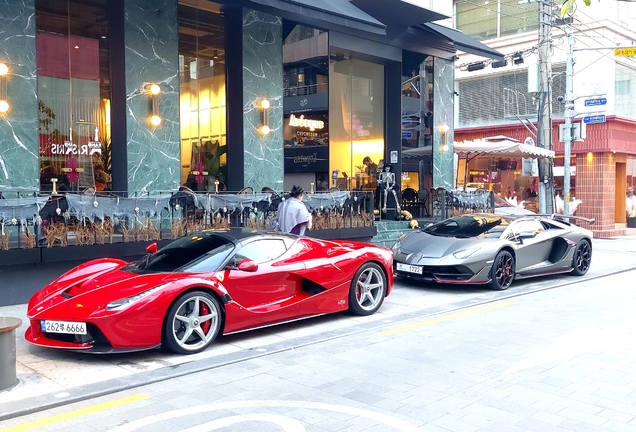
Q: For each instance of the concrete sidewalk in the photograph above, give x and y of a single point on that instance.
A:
(49, 378)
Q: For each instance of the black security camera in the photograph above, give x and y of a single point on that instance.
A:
(560, 99)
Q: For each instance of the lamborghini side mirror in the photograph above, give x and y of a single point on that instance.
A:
(151, 248)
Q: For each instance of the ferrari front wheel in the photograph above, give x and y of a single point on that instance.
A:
(503, 271)
(582, 258)
(368, 289)
(192, 323)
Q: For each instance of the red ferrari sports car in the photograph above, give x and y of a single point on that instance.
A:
(218, 281)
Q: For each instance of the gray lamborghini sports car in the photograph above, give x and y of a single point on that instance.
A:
(493, 249)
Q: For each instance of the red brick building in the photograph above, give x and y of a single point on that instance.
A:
(605, 168)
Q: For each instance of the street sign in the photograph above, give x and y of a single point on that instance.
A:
(625, 52)
(595, 102)
(594, 119)
(407, 135)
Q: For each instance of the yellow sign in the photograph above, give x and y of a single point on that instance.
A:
(625, 52)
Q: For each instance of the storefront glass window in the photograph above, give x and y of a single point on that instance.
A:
(306, 107)
(73, 94)
(356, 107)
(202, 96)
(417, 121)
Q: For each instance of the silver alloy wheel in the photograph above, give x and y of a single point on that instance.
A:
(370, 288)
(195, 323)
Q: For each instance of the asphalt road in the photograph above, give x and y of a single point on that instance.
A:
(548, 354)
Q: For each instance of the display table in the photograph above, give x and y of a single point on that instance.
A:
(7, 351)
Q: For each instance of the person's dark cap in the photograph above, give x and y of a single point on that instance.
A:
(297, 190)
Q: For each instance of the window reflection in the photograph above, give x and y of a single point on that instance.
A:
(306, 107)
(73, 94)
(203, 97)
(356, 105)
(417, 121)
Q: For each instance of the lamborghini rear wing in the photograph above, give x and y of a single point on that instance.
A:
(562, 216)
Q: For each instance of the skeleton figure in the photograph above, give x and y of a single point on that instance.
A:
(387, 183)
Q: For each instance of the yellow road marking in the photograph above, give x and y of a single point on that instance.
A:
(74, 414)
(445, 318)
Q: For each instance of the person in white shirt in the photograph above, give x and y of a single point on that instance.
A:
(293, 216)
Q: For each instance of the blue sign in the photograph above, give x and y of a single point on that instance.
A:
(407, 135)
(595, 102)
(594, 119)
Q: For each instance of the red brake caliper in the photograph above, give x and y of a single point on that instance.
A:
(205, 310)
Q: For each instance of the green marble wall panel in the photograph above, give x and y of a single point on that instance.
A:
(443, 113)
(19, 148)
(152, 56)
(263, 78)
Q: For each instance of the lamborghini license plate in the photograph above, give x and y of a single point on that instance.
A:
(65, 327)
(409, 268)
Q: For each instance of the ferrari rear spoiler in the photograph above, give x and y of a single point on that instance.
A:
(562, 216)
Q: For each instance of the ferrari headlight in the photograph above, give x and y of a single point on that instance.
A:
(465, 253)
(125, 302)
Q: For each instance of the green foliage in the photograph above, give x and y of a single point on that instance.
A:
(568, 6)
(106, 156)
(213, 153)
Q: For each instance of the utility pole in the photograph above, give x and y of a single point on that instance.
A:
(569, 114)
(546, 180)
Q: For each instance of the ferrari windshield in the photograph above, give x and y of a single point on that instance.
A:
(468, 226)
(200, 252)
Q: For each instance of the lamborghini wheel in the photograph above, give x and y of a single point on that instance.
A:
(582, 258)
(503, 271)
(368, 289)
(192, 323)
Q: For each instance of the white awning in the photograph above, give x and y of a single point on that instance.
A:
(501, 146)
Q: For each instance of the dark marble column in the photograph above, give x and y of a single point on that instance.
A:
(152, 56)
(19, 148)
(262, 78)
(443, 113)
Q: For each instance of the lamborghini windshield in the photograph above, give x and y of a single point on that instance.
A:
(200, 252)
(469, 226)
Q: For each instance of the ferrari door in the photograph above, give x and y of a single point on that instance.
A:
(533, 244)
(269, 293)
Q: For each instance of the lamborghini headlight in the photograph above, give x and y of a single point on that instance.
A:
(465, 253)
(125, 302)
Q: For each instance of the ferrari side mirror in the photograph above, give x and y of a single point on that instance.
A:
(151, 248)
(247, 265)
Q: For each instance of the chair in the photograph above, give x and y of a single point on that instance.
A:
(246, 191)
(422, 201)
(409, 201)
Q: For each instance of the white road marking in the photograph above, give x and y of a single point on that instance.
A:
(288, 424)
(392, 422)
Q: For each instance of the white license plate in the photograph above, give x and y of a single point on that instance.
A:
(409, 268)
(66, 327)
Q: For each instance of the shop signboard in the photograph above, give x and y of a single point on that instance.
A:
(310, 159)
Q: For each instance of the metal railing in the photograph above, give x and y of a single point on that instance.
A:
(84, 219)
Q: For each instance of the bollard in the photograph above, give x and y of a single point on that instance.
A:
(7, 351)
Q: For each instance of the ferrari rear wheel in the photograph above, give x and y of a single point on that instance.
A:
(368, 289)
(503, 271)
(192, 323)
(582, 258)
